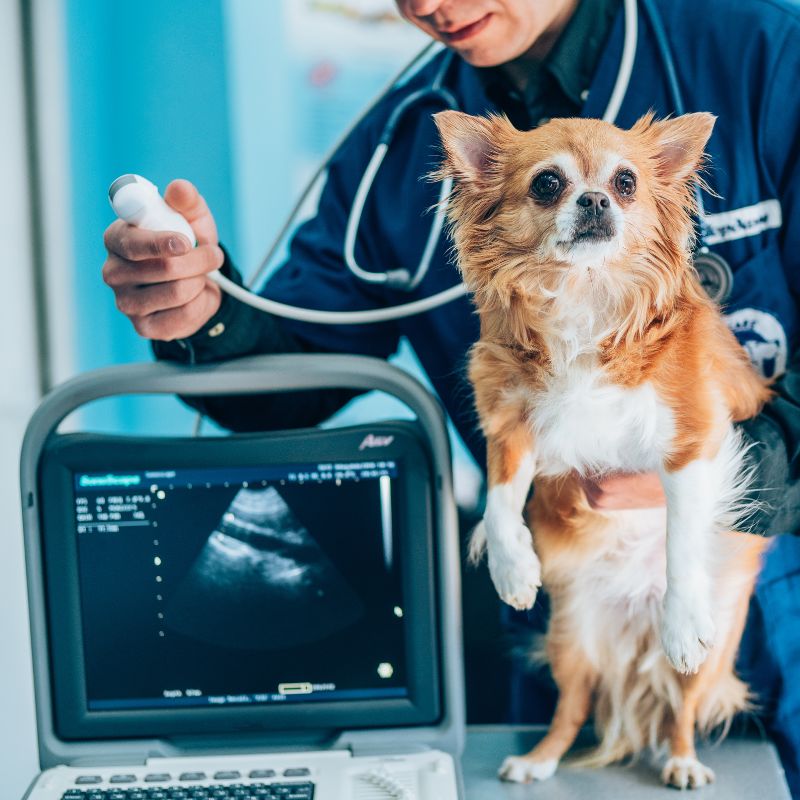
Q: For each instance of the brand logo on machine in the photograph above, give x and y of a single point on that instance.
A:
(371, 440)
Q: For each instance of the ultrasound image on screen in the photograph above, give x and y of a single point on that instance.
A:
(242, 586)
(262, 557)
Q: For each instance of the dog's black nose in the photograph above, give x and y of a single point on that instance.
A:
(594, 202)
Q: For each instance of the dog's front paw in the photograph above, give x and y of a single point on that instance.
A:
(686, 772)
(687, 632)
(515, 570)
(521, 769)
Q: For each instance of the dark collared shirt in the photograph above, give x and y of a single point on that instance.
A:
(558, 85)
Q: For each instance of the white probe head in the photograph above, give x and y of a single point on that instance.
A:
(137, 201)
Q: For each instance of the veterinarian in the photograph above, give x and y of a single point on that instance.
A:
(533, 60)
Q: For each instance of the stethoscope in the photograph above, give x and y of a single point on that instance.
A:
(715, 273)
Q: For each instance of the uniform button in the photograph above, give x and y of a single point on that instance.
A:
(543, 121)
(217, 330)
(585, 95)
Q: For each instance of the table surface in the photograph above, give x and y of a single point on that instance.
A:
(746, 769)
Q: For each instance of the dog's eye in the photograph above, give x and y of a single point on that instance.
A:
(625, 183)
(547, 186)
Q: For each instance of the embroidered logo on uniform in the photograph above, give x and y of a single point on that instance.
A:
(741, 222)
(760, 333)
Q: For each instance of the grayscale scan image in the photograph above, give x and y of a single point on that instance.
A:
(261, 557)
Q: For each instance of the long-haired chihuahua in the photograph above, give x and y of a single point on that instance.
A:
(600, 353)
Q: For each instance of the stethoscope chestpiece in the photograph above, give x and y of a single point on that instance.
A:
(715, 275)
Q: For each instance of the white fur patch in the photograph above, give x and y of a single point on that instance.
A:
(583, 422)
(520, 769)
(697, 496)
(513, 565)
(686, 772)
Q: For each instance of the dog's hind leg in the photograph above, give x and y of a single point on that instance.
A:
(683, 770)
(575, 682)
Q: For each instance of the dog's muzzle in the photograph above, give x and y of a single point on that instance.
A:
(593, 220)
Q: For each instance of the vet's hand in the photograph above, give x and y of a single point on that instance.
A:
(160, 282)
(620, 491)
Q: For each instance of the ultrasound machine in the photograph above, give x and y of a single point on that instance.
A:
(249, 616)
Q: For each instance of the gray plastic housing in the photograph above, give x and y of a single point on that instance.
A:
(254, 375)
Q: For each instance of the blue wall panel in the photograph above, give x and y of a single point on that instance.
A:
(148, 94)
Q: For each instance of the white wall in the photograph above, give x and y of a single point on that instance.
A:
(18, 396)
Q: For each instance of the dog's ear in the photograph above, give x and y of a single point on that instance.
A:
(679, 142)
(471, 144)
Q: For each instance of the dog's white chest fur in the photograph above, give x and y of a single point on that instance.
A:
(582, 421)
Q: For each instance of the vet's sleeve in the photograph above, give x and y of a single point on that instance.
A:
(775, 433)
(237, 330)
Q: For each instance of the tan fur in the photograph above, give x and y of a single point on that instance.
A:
(659, 328)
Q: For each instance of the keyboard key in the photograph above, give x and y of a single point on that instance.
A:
(296, 772)
(82, 780)
(122, 779)
(301, 791)
(192, 776)
(157, 777)
(227, 775)
(262, 773)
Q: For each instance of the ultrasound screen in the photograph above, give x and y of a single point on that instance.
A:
(240, 586)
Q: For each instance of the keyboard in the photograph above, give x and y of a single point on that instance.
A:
(262, 791)
(332, 774)
(221, 789)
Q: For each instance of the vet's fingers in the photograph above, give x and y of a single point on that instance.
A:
(119, 272)
(187, 201)
(137, 244)
(182, 321)
(141, 301)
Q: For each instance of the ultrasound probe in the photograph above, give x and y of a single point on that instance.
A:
(138, 202)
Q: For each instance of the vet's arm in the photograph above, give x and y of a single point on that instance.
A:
(775, 433)
(775, 436)
(313, 276)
